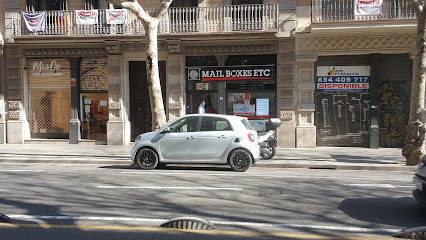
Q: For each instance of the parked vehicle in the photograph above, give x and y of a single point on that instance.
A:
(419, 181)
(199, 138)
(267, 140)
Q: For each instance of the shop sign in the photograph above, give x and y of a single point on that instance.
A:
(266, 72)
(343, 79)
(203, 86)
(46, 69)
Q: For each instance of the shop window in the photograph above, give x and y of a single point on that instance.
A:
(46, 5)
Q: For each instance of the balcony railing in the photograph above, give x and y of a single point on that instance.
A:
(345, 10)
(258, 17)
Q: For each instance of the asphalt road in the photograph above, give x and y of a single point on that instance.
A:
(48, 201)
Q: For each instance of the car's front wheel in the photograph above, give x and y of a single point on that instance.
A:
(240, 160)
(147, 159)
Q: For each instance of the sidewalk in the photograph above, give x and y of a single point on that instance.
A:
(346, 158)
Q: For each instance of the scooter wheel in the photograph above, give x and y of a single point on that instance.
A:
(270, 154)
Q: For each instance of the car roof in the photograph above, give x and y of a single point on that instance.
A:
(216, 115)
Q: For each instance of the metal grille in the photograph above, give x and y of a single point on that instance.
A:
(94, 74)
(50, 113)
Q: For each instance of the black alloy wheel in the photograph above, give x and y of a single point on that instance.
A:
(240, 160)
(147, 159)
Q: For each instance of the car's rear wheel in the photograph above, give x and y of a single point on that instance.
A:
(240, 160)
(147, 159)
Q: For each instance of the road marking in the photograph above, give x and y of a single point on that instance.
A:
(182, 188)
(209, 232)
(226, 223)
(373, 185)
(17, 170)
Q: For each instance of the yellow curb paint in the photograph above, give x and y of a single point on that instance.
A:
(158, 229)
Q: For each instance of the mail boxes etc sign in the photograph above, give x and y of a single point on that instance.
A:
(343, 79)
(231, 73)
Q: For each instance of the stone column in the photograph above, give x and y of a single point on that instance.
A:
(286, 93)
(175, 80)
(306, 130)
(16, 121)
(118, 125)
(74, 124)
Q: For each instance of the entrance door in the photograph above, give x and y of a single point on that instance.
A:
(94, 112)
(197, 91)
(140, 105)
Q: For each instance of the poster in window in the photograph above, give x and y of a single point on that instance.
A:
(262, 107)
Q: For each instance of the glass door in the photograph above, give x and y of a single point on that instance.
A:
(198, 91)
(94, 112)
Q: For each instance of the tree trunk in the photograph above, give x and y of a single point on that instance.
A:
(413, 150)
(153, 77)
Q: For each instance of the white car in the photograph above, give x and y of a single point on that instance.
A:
(419, 181)
(199, 138)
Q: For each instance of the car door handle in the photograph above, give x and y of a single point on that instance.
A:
(222, 136)
(191, 137)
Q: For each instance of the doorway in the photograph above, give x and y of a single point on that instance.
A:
(140, 105)
(95, 116)
(198, 91)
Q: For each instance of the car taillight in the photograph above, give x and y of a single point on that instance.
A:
(251, 137)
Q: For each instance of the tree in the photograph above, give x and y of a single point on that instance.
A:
(413, 150)
(150, 23)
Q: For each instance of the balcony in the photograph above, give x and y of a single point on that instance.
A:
(345, 10)
(260, 17)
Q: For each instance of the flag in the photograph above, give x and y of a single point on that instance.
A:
(116, 16)
(88, 17)
(35, 21)
(368, 7)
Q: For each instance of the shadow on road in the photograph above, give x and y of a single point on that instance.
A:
(401, 212)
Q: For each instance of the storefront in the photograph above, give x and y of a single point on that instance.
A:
(94, 98)
(50, 97)
(349, 89)
(246, 90)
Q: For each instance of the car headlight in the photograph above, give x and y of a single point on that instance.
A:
(138, 138)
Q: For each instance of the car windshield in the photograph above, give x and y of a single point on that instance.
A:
(247, 124)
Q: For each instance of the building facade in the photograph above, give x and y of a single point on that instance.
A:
(80, 75)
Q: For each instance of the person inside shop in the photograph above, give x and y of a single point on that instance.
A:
(201, 109)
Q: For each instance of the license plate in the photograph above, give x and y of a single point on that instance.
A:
(418, 184)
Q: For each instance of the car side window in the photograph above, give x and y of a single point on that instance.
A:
(188, 124)
(215, 124)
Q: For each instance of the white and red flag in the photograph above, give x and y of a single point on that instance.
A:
(87, 17)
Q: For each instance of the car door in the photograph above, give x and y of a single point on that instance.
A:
(215, 135)
(181, 142)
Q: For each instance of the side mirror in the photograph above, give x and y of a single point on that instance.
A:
(165, 130)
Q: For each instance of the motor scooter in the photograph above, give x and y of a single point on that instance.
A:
(267, 140)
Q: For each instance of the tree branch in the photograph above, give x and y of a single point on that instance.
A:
(162, 9)
(134, 7)
(416, 6)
